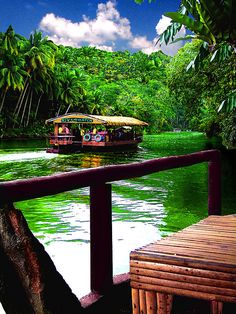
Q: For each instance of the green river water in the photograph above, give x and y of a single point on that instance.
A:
(144, 209)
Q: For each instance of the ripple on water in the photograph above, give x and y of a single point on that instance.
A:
(144, 209)
(19, 156)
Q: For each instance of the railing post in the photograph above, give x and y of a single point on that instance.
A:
(214, 185)
(101, 238)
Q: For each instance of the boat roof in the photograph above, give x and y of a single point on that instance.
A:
(76, 117)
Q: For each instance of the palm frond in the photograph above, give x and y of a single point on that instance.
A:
(170, 32)
(190, 7)
(222, 53)
(194, 26)
(197, 61)
(187, 37)
(229, 103)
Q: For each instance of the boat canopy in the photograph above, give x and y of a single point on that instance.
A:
(96, 119)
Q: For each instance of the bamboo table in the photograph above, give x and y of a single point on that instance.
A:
(197, 262)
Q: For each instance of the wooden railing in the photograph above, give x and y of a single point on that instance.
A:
(65, 139)
(99, 180)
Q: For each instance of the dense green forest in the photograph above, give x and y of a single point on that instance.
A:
(39, 80)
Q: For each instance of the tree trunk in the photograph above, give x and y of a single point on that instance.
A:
(58, 112)
(67, 109)
(37, 108)
(29, 281)
(24, 109)
(3, 100)
(21, 96)
(30, 104)
(19, 103)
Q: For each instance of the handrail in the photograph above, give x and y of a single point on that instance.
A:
(100, 195)
(24, 189)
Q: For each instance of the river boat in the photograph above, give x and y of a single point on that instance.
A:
(79, 132)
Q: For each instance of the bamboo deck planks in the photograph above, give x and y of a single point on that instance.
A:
(198, 261)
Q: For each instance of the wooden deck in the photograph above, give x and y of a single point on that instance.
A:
(40, 286)
(197, 262)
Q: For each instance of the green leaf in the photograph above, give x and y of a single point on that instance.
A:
(229, 103)
(2, 82)
(170, 32)
(190, 6)
(214, 15)
(195, 26)
(187, 37)
(222, 53)
(202, 54)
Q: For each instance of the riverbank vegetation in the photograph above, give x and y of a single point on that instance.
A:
(39, 80)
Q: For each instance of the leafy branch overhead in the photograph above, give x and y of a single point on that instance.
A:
(212, 21)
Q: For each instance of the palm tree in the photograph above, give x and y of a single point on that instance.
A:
(39, 53)
(97, 104)
(12, 74)
(9, 41)
(68, 87)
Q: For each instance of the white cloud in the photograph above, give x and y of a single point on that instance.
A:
(107, 27)
(104, 31)
(103, 47)
(150, 49)
(163, 23)
(63, 41)
(170, 49)
(142, 43)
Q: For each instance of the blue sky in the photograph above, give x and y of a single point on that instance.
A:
(107, 24)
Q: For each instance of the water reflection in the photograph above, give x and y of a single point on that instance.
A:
(144, 209)
(91, 161)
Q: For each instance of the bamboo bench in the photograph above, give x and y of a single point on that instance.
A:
(197, 262)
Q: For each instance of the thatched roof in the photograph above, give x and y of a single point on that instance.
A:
(96, 119)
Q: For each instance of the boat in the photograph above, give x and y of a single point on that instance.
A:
(79, 132)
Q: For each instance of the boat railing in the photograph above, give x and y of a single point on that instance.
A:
(100, 182)
(62, 139)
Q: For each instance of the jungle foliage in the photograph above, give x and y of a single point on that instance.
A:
(213, 23)
(39, 80)
(198, 94)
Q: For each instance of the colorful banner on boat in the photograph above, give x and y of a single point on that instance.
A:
(78, 120)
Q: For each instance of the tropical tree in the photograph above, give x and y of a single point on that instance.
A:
(9, 41)
(51, 80)
(68, 87)
(212, 21)
(12, 72)
(39, 55)
(12, 75)
(196, 96)
(97, 105)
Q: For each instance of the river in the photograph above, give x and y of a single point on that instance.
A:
(144, 209)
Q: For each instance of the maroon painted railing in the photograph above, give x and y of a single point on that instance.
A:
(98, 179)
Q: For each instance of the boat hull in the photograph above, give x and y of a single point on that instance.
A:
(94, 146)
